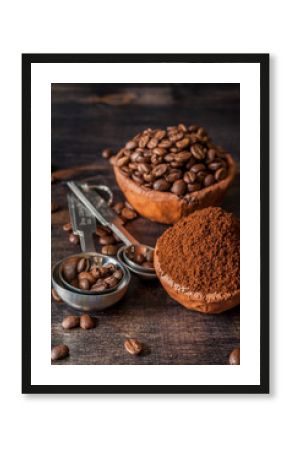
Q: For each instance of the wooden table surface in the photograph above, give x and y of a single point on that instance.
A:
(87, 118)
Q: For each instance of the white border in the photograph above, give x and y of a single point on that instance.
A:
(248, 75)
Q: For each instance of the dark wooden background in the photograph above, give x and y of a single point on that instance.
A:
(87, 118)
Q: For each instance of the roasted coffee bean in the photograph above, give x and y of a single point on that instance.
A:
(160, 170)
(169, 157)
(144, 168)
(137, 178)
(122, 161)
(193, 187)
(176, 137)
(148, 264)
(179, 187)
(102, 231)
(182, 127)
(176, 164)
(81, 265)
(84, 284)
(135, 156)
(74, 239)
(190, 163)
(87, 322)
(67, 227)
(131, 145)
(156, 160)
(105, 271)
(174, 174)
(152, 143)
(211, 154)
(159, 151)
(86, 276)
(161, 185)
(220, 174)
(109, 250)
(234, 357)
(55, 296)
(95, 271)
(201, 175)
(183, 156)
(133, 346)
(198, 151)
(160, 134)
(107, 240)
(148, 177)
(189, 177)
(118, 274)
(111, 281)
(139, 258)
(98, 287)
(197, 168)
(208, 180)
(128, 214)
(165, 143)
(172, 130)
(143, 141)
(60, 351)
(69, 268)
(70, 322)
(175, 150)
(215, 165)
(118, 207)
(183, 143)
(106, 153)
(133, 166)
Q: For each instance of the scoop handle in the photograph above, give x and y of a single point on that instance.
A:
(103, 213)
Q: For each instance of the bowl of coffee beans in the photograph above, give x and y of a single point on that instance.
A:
(167, 174)
(90, 281)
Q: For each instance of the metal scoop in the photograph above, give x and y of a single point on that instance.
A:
(84, 224)
(97, 206)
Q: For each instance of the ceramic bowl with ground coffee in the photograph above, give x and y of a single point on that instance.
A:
(167, 174)
(198, 260)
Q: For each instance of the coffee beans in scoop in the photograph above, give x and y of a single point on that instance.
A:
(181, 160)
(84, 274)
(143, 257)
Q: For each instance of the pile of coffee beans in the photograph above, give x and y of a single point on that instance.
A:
(179, 159)
(143, 257)
(85, 274)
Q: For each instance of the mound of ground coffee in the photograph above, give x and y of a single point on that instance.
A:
(202, 252)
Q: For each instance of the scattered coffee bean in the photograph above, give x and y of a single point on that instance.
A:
(106, 153)
(60, 351)
(74, 239)
(67, 227)
(86, 276)
(70, 322)
(102, 231)
(54, 207)
(55, 296)
(133, 346)
(87, 322)
(156, 159)
(107, 240)
(109, 250)
(128, 214)
(234, 358)
(118, 207)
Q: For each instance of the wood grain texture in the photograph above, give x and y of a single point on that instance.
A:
(89, 117)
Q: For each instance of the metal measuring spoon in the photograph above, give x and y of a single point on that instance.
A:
(108, 218)
(84, 224)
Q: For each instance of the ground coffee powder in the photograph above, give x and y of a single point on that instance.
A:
(202, 252)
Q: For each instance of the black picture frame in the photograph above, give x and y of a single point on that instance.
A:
(263, 61)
